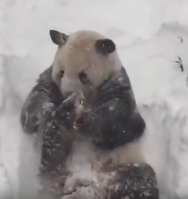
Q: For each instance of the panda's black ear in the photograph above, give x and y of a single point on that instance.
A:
(105, 46)
(58, 38)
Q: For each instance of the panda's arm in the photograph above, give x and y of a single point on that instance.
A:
(115, 120)
(113, 128)
(41, 102)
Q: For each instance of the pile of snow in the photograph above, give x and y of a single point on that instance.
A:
(159, 84)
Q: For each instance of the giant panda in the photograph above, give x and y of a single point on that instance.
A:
(83, 112)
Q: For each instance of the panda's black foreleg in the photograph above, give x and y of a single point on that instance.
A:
(47, 118)
(134, 181)
(58, 135)
(114, 120)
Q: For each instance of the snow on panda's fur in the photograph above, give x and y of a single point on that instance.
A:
(86, 87)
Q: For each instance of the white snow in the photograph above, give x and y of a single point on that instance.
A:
(147, 36)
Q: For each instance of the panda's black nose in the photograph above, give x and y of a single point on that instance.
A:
(105, 46)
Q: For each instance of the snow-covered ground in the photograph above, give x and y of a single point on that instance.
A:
(148, 41)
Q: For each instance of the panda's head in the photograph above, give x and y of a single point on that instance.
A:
(83, 60)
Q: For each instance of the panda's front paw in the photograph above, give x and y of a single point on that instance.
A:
(71, 109)
(76, 103)
(74, 98)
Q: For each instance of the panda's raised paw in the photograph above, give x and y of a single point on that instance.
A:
(76, 102)
(71, 109)
(76, 98)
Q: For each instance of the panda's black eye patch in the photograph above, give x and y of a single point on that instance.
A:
(62, 72)
(83, 77)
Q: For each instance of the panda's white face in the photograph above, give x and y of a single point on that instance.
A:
(83, 61)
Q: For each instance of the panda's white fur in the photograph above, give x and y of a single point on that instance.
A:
(78, 54)
(90, 165)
